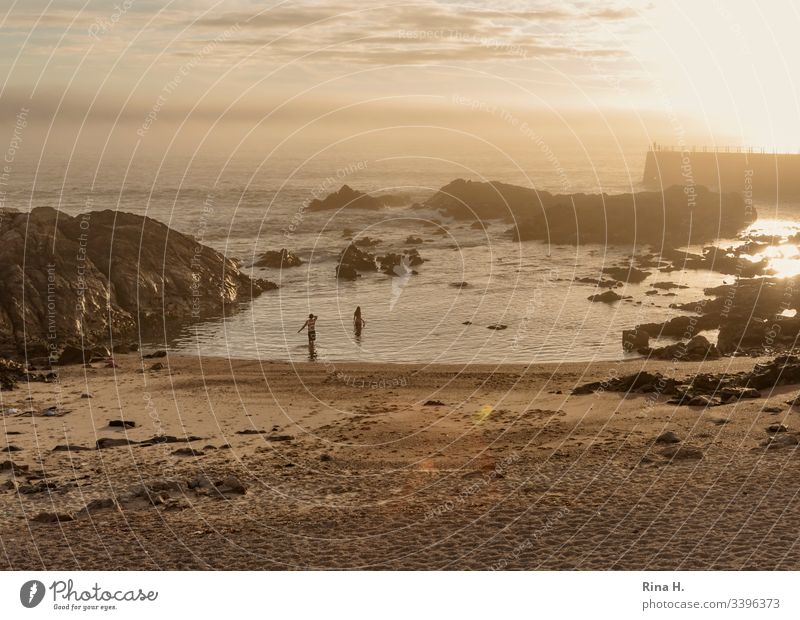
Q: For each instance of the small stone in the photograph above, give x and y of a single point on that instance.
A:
(113, 442)
(232, 484)
(682, 453)
(86, 395)
(155, 354)
(122, 423)
(70, 448)
(52, 517)
(668, 437)
(157, 366)
(200, 481)
(776, 428)
(433, 403)
(187, 452)
(780, 440)
(326, 458)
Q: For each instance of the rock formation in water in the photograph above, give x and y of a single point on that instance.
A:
(754, 316)
(349, 198)
(673, 217)
(277, 259)
(81, 280)
(352, 260)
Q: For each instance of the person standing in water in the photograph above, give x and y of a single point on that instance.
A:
(311, 324)
(358, 322)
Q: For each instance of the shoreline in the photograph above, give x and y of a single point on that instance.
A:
(276, 466)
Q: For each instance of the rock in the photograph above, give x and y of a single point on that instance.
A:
(635, 339)
(607, 297)
(776, 428)
(282, 258)
(108, 274)
(497, 326)
(325, 457)
(467, 323)
(665, 286)
(11, 448)
(9, 485)
(433, 403)
(459, 284)
(347, 272)
(200, 481)
(155, 355)
(232, 484)
(13, 467)
(412, 240)
(668, 437)
(98, 505)
(122, 424)
(70, 448)
(162, 439)
(780, 440)
(366, 242)
(353, 260)
(627, 274)
(280, 438)
(157, 366)
(651, 293)
(114, 442)
(703, 401)
(349, 198)
(187, 452)
(772, 410)
(400, 264)
(71, 355)
(682, 453)
(52, 517)
(124, 348)
(630, 383)
(86, 395)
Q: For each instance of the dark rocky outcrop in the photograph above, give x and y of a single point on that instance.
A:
(697, 349)
(348, 198)
(725, 387)
(78, 280)
(627, 274)
(400, 264)
(277, 259)
(353, 260)
(635, 339)
(607, 297)
(673, 216)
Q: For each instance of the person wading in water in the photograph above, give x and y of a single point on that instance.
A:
(358, 322)
(311, 324)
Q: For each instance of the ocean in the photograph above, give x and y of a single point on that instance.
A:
(250, 203)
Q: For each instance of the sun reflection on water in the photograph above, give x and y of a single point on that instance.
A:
(783, 256)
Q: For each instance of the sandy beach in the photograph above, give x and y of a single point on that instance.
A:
(356, 466)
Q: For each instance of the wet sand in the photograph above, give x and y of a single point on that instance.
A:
(346, 467)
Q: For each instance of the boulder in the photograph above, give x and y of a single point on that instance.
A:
(607, 297)
(277, 259)
(348, 198)
(682, 453)
(81, 280)
(114, 442)
(627, 274)
(668, 437)
(635, 339)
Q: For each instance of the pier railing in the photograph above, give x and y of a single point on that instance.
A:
(655, 147)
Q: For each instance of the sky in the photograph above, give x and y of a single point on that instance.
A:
(708, 72)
